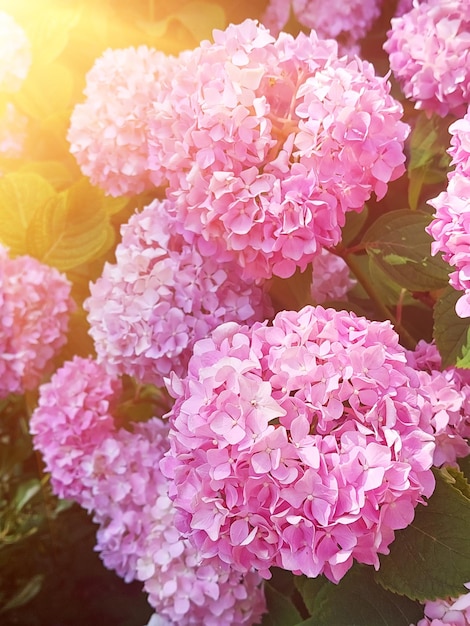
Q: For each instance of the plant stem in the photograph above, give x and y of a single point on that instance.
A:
(406, 338)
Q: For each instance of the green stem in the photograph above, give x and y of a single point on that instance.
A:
(407, 339)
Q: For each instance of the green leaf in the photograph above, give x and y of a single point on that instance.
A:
(71, 229)
(353, 226)
(399, 245)
(281, 610)
(26, 594)
(451, 332)
(428, 163)
(21, 195)
(357, 601)
(431, 558)
(309, 589)
(25, 492)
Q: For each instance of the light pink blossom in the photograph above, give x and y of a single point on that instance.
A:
(108, 132)
(266, 143)
(331, 279)
(13, 127)
(347, 21)
(162, 294)
(35, 307)
(302, 445)
(450, 230)
(449, 390)
(114, 473)
(447, 611)
(15, 54)
(429, 52)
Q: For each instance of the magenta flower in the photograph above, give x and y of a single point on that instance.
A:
(449, 391)
(115, 474)
(450, 230)
(460, 144)
(302, 445)
(162, 294)
(429, 49)
(35, 307)
(266, 143)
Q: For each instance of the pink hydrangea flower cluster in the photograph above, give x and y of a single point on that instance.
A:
(115, 474)
(35, 306)
(331, 279)
(347, 21)
(108, 132)
(448, 612)
(147, 310)
(449, 391)
(460, 144)
(429, 52)
(15, 54)
(302, 445)
(450, 228)
(266, 143)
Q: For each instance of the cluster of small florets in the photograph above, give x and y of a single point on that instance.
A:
(35, 307)
(347, 22)
(264, 143)
(449, 391)
(331, 279)
(302, 445)
(450, 228)
(108, 132)
(272, 141)
(147, 310)
(429, 52)
(15, 54)
(115, 474)
(460, 144)
(447, 612)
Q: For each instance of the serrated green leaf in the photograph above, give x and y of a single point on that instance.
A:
(309, 589)
(399, 245)
(71, 229)
(431, 558)
(21, 195)
(359, 601)
(451, 332)
(281, 610)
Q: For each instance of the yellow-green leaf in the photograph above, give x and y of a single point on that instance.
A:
(71, 229)
(21, 195)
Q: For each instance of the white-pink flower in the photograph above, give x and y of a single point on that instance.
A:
(114, 473)
(302, 445)
(35, 307)
(108, 132)
(331, 279)
(162, 294)
(429, 52)
(348, 21)
(15, 54)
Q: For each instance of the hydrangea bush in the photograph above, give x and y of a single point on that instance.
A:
(234, 291)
